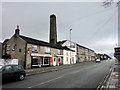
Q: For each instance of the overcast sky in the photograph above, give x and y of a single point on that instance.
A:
(93, 25)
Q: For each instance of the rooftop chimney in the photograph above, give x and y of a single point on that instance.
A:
(17, 31)
(53, 30)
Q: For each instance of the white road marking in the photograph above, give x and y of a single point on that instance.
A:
(45, 82)
(52, 79)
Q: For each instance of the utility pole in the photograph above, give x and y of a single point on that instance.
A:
(70, 45)
(117, 56)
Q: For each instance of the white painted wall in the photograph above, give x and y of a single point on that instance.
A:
(54, 61)
(73, 54)
(66, 57)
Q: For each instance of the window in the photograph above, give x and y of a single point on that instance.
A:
(34, 48)
(67, 53)
(46, 60)
(67, 59)
(54, 59)
(8, 68)
(8, 47)
(73, 59)
(72, 45)
(20, 50)
(16, 68)
(13, 48)
(47, 50)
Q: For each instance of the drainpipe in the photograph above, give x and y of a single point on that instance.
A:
(25, 55)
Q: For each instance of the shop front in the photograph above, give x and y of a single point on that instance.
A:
(40, 60)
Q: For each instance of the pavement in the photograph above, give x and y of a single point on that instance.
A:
(34, 71)
(112, 79)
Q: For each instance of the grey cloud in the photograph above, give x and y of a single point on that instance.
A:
(86, 19)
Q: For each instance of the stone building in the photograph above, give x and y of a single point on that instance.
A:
(103, 56)
(84, 54)
(0, 50)
(81, 53)
(92, 55)
(117, 53)
(4, 47)
(32, 52)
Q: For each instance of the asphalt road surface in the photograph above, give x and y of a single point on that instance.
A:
(83, 75)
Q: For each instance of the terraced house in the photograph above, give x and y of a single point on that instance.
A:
(81, 54)
(32, 52)
(72, 46)
(36, 53)
(0, 50)
(85, 54)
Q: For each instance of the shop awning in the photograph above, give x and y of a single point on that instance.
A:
(59, 55)
(42, 55)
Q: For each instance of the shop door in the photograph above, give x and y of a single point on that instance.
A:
(46, 61)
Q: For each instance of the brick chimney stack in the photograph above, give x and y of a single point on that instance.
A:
(53, 29)
(17, 31)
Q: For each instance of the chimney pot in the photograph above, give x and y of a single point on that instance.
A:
(17, 26)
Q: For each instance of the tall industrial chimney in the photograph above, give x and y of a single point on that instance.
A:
(53, 29)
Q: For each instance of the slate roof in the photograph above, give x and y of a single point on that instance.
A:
(42, 43)
(61, 42)
(5, 41)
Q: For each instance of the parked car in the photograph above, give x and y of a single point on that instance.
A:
(10, 72)
(98, 60)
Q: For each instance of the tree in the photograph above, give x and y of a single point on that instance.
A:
(108, 3)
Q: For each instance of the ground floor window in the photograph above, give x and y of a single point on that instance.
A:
(67, 59)
(40, 61)
(36, 61)
(73, 59)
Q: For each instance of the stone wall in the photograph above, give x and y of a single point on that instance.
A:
(0, 50)
(16, 49)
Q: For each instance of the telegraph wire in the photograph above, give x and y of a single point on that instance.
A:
(99, 12)
(102, 26)
(95, 13)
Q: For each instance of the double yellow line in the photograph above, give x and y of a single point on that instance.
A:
(101, 85)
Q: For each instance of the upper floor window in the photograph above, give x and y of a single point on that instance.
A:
(47, 50)
(34, 48)
(13, 48)
(8, 47)
(66, 53)
(72, 45)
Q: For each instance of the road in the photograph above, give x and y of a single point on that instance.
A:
(83, 75)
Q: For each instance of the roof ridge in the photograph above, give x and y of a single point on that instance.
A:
(42, 43)
(32, 38)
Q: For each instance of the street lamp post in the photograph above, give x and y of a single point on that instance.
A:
(70, 45)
